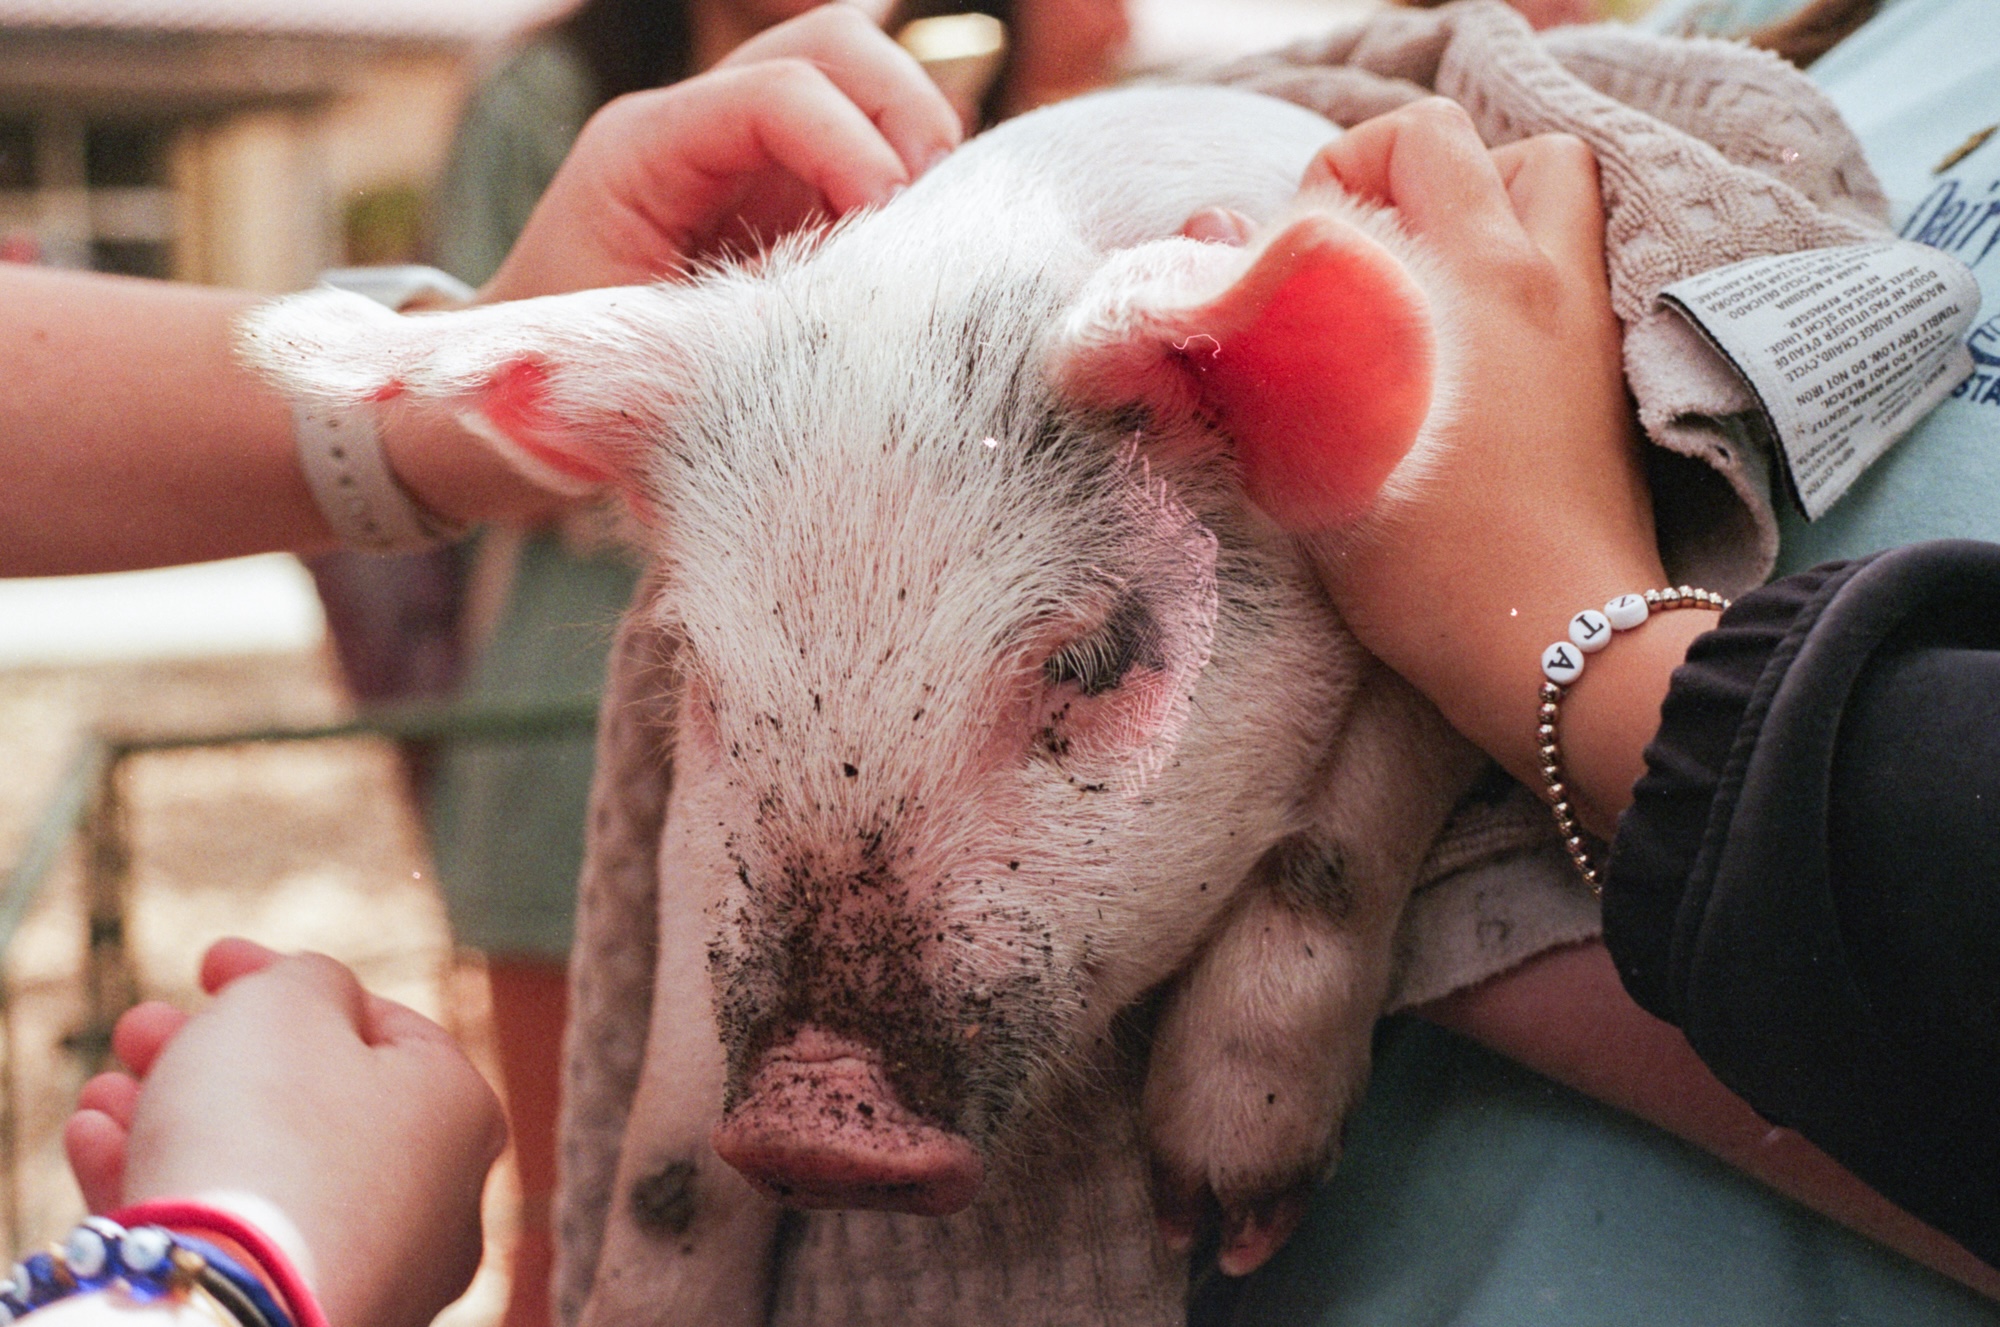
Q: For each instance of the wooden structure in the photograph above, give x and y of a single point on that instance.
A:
(246, 143)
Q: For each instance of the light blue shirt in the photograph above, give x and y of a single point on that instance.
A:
(1917, 83)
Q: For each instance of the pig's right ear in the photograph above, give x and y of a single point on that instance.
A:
(1315, 349)
(569, 389)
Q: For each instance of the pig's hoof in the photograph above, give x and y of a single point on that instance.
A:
(1250, 1235)
(1252, 1228)
(831, 1134)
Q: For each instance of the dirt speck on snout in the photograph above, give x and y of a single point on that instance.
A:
(844, 944)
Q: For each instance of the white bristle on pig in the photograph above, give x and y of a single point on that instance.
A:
(1009, 733)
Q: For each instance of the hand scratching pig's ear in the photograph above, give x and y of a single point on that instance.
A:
(1315, 349)
(569, 389)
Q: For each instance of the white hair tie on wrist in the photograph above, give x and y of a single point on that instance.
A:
(340, 447)
(1562, 664)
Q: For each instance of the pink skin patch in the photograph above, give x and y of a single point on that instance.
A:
(1320, 362)
(516, 403)
(820, 1127)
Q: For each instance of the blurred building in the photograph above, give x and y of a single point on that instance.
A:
(240, 142)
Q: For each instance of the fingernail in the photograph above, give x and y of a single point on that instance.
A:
(1218, 225)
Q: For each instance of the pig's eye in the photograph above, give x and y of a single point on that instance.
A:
(1129, 639)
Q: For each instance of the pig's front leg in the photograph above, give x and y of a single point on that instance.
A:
(1264, 1043)
(686, 1239)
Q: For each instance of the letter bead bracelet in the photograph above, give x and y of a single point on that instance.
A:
(1562, 664)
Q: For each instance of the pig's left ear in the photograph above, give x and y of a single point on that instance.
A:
(1315, 349)
(572, 390)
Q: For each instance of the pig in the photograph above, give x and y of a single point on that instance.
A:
(1022, 834)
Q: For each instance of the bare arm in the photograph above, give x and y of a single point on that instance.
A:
(1565, 1014)
(130, 436)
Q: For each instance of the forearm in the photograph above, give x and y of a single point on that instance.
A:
(1565, 1015)
(129, 434)
(132, 436)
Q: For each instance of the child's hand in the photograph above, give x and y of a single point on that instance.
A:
(814, 117)
(356, 1116)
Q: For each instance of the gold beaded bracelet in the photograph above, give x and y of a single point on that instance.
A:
(1562, 663)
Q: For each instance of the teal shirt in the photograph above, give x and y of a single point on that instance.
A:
(1917, 83)
(514, 134)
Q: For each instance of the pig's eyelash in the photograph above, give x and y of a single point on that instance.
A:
(1129, 638)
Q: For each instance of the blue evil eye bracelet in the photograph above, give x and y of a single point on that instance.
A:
(147, 1263)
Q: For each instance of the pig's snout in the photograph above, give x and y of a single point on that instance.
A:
(819, 1126)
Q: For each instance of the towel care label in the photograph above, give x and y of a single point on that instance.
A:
(1845, 348)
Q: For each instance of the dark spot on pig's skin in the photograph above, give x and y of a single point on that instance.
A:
(663, 1202)
(848, 769)
(1310, 876)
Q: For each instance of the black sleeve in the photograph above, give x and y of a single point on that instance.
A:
(1808, 880)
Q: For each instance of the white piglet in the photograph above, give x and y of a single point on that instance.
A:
(1035, 834)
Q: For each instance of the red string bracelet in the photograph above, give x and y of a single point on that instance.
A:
(181, 1214)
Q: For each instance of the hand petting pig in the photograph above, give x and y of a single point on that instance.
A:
(803, 123)
(808, 120)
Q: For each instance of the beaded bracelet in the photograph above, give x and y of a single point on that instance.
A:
(148, 1263)
(1562, 663)
(300, 1307)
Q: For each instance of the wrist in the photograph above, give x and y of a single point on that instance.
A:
(196, 1261)
(1479, 660)
(269, 1243)
(1586, 792)
(1610, 715)
(456, 474)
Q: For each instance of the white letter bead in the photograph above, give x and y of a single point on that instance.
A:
(1626, 611)
(1591, 630)
(1562, 663)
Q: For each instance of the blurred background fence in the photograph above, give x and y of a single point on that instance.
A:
(90, 809)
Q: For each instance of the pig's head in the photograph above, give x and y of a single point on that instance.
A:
(993, 689)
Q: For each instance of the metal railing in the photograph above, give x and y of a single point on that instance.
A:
(87, 802)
